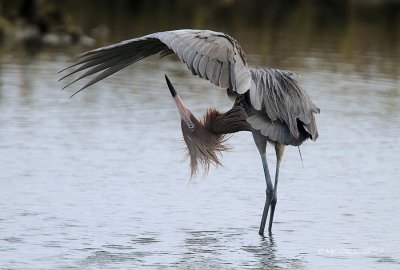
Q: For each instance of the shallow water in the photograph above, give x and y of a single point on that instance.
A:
(99, 181)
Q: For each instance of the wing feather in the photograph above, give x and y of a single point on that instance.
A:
(224, 78)
(185, 54)
(203, 67)
(196, 62)
(175, 43)
(216, 72)
(190, 59)
(200, 50)
(167, 38)
(209, 70)
(180, 49)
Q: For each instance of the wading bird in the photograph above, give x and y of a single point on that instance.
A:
(268, 102)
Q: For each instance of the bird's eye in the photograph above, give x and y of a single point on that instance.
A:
(191, 126)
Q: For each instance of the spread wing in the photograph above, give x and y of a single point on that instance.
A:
(214, 56)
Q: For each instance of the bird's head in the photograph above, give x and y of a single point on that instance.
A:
(203, 145)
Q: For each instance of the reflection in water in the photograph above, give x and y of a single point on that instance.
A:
(266, 253)
(198, 250)
(268, 258)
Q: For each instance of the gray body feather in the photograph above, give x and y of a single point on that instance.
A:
(284, 112)
(281, 110)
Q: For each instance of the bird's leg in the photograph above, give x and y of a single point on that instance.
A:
(279, 149)
(261, 144)
(269, 194)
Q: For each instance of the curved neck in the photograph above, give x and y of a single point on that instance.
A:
(231, 121)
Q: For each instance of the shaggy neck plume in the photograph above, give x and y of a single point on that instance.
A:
(208, 140)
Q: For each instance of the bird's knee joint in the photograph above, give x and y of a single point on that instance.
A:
(271, 195)
(274, 200)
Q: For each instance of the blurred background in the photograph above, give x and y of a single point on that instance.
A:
(354, 30)
(99, 181)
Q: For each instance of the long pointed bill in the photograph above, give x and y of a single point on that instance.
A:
(182, 109)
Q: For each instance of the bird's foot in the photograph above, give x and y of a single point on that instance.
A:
(268, 203)
(271, 215)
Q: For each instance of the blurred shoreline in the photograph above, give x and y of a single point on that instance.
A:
(366, 33)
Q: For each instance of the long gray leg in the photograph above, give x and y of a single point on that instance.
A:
(279, 149)
(261, 144)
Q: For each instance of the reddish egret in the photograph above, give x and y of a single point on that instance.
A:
(268, 102)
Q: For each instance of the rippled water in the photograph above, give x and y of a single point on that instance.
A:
(99, 181)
